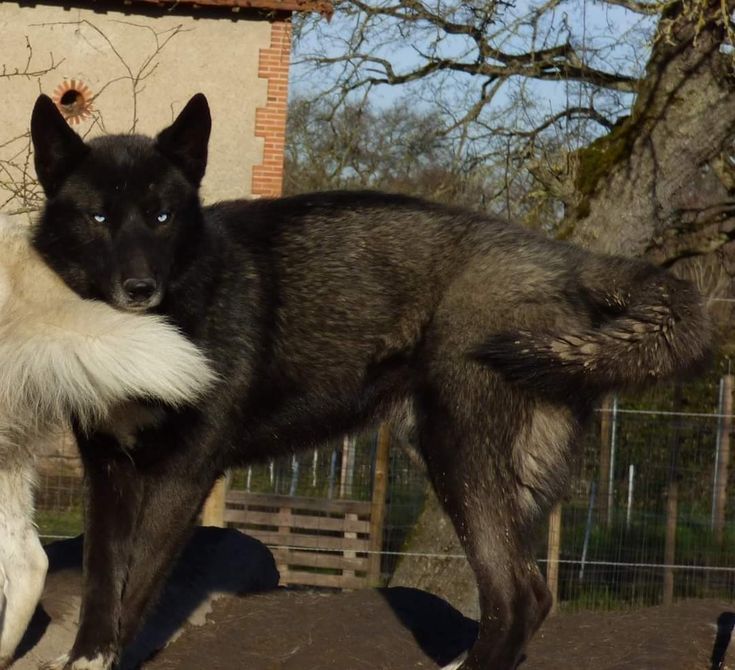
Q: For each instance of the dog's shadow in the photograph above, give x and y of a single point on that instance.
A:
(215, 561)
(225, 561)
(442, 632)
(725, 624)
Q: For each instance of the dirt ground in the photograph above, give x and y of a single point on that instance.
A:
(411, 630)
(385, 629)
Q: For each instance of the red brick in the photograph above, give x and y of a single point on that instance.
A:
(270, 121)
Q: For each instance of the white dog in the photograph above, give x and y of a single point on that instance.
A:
(61, 356)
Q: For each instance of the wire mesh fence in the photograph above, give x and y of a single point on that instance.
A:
(59, 505)
(648, 518)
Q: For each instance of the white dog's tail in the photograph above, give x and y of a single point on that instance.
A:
(86, 357)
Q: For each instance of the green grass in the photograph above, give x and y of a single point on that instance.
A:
(54, 523)
(622, 569)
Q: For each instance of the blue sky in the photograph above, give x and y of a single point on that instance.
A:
(610, 37)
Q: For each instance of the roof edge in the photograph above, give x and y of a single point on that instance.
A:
(323, 7)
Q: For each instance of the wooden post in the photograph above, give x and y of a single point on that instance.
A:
(723, 460)
(284, 531)
(603, 483)
(553, 553)
(351, 467)
(213, 513)
(377, 511)
(672, 500)
(349, 535)
(347, 469)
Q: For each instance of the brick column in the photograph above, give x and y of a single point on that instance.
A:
(270, 121)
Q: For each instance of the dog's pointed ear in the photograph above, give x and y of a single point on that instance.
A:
(185, 141)
(57, 149)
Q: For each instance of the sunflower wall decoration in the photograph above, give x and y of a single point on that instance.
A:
(74, 100)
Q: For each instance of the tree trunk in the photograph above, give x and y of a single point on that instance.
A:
(660, 185)
(442, 569)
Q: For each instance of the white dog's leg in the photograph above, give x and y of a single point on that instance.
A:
(4, 659)
(23, 562)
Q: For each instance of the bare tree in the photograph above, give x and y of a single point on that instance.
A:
(394, 148)
(538, 82)
(17, 178)
(513, 81)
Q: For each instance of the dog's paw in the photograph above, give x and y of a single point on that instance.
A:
(456, 663)
(57, 664)
(98, 662)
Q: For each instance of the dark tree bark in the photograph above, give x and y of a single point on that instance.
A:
(661, 183)
(442, 570)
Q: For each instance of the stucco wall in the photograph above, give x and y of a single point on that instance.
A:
(172, 58)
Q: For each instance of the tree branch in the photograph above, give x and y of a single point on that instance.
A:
(27, 72)
(646, 8)
(544, 67)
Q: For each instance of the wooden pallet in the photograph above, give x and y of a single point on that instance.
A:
(315, 542)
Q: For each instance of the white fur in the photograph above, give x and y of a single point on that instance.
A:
(58, 663)
(99, 662)
(23, 561)
(61, 355)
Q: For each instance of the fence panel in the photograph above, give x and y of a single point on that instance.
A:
(641, 457)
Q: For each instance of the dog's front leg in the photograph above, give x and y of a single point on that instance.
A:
(138, 517)
(174, 495)
(114, 494)
(23, 561)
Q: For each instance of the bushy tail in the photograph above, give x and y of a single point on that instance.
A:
(648, 325)
(86, 357)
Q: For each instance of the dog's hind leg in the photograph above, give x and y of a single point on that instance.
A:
(470, 433)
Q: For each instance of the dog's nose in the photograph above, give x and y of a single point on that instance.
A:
(139, 289)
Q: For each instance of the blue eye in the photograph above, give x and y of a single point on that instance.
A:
(99, 218)
(163, 217)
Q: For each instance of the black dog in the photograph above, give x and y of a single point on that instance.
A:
(320, 313)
